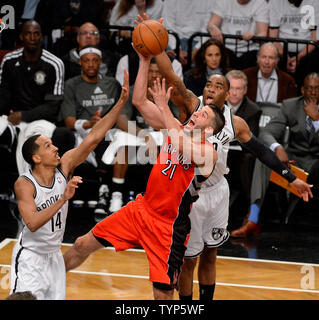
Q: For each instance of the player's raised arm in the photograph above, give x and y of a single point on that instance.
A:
(71, 159)
(184, 99)
(269, 158)
(147, 108)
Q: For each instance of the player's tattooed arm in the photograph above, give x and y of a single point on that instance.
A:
(185, 100)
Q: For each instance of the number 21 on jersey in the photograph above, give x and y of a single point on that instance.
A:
(170, 169)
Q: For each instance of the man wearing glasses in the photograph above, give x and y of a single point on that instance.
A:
(89, 35)
(301, 115)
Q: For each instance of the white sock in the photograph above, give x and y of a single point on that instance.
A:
(118, 180)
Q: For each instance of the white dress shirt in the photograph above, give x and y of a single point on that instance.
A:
(267, 89)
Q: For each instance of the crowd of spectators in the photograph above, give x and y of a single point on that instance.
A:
(45, 85)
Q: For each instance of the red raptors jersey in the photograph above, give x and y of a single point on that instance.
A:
(171, 176)
(159, 221)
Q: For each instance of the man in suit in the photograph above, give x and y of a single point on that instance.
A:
(267, 83)
(301, 115)
(241, 163)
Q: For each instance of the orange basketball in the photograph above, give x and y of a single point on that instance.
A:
(150, 37)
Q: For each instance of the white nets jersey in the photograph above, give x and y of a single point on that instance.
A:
(48, 238)
(221, 143)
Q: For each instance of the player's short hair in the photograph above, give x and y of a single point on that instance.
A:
(29, 148)
(24, 295)
(218, 121)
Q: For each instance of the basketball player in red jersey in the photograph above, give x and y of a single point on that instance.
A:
(158, 221)
(216, 91)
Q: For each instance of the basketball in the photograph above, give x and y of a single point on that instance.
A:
(150, 37)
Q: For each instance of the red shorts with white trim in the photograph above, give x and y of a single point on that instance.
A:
(137, 225)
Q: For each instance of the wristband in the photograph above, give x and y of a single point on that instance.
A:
(288, 175)
(78, 126)
(269, 158)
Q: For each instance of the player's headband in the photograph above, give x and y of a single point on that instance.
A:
(90, 50)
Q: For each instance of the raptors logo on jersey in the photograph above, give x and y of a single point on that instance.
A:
(174, 175)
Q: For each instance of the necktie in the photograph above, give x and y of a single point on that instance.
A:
(309, 126)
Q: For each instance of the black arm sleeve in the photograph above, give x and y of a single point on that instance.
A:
(269, 158)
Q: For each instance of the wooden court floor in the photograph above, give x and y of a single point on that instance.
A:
(107, 275)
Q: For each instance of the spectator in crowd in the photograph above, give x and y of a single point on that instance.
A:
(289, 20)
(131, 62)
(87, 98)
(301, 115)
(185, 18)
(125, 12)
(241, 163)
(89, 34)
(246, 18)
(60, 19)
(210, 59)
(266, 82)
(75, 12)
(31, 88)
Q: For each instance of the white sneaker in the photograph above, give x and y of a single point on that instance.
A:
(101, 207)
(116, 202)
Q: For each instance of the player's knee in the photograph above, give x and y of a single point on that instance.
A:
(209, 256)
(162, 291)
(80, 245)
(189, 264)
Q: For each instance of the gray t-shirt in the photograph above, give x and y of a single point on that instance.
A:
(239, 19)
(83, 99)
(293, 22)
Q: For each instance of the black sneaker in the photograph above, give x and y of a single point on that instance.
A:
(101, 207)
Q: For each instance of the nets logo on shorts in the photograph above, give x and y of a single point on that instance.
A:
(217, 233)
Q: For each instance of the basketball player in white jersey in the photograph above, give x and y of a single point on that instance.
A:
(209, 216)
(42, 194)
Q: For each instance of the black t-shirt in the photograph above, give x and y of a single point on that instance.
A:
(34, 88)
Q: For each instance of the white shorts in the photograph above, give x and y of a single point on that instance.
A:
(209, 219)
(42, 274)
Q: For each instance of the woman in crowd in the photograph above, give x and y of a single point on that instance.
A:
(210, 59)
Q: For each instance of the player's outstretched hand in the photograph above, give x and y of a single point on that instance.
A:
(144, 17)
(71, 186)
(303, 188)
(159, 93)
(125, 87)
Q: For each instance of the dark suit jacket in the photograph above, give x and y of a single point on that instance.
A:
(287, 87)
(302, 148)
(250, 112)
